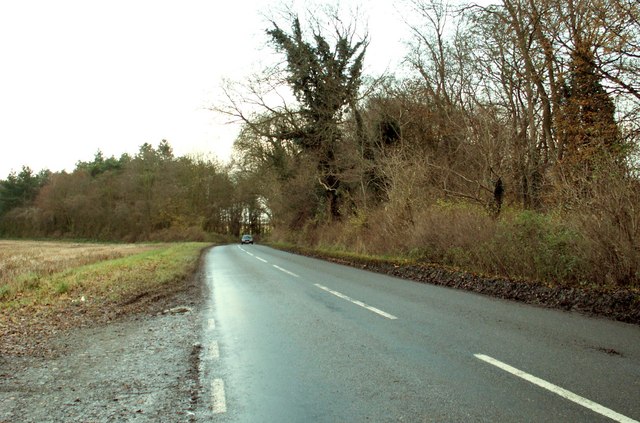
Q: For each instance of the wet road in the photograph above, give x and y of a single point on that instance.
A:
(294, 339)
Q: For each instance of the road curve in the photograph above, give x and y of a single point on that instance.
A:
(288, 338)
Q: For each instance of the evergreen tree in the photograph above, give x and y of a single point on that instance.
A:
(21, 189)
(592, 131)
(325, 81)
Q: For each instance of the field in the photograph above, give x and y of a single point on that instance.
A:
(51, 286)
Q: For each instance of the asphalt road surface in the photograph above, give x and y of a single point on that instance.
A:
(293, 339)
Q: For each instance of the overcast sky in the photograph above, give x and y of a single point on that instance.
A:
(81, 75)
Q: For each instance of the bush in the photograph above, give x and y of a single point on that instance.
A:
(178, 234)
(610, 221)
(522, 244)
(595, 246)
(537, 246)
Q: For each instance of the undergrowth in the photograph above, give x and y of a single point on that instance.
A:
(553, 248)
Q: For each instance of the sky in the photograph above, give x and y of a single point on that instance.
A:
(78, 76)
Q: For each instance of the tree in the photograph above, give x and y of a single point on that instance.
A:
(592, 132)
(100, 164)
(554, 70)
(449, 122)
(325, 82)
(165, 150)
(324, 76)
(20, 189)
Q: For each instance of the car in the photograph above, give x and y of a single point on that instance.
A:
(246, 239)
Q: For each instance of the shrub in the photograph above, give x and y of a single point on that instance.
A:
(605, 210)
(612, 231)
(178, 234)
(595, 246)
(537, 246)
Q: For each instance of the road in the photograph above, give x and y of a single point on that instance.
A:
(293, 339)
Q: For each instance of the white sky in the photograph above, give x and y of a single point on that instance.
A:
(81, 75)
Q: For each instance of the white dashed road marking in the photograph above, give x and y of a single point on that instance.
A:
(356, 302)
(557, 390)
(261, 259)
(285, 271)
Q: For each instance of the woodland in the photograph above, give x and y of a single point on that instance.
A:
(508, 146)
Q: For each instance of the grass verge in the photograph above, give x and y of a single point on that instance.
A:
(48, 287)
(112, 277)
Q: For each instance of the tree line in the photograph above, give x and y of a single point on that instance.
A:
(152, 195)
(515, 131)
(508, 146)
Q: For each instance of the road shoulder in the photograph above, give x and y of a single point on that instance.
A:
(141, 366)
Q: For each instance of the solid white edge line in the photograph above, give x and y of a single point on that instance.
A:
(285, 271)
(356, 302)
(261, 259)
(600, 409)
(218, 398)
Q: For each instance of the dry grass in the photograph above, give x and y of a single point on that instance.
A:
(47, 287)
(23, 264)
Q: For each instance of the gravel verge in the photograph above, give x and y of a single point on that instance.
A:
(133, 361)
